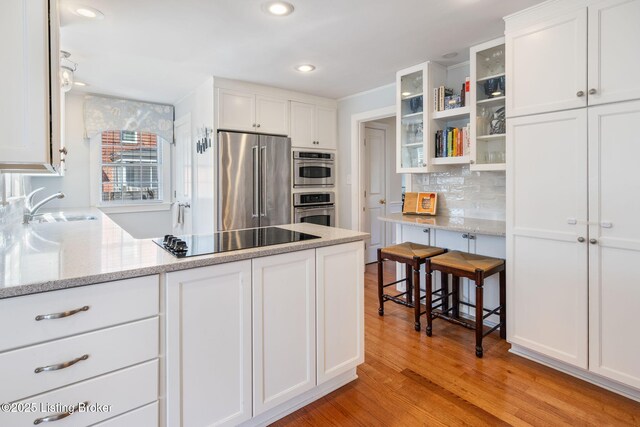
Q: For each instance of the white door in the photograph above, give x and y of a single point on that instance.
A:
(547, 65)
(208, 359)
(614, 252)
(326, 127)
(340, 297)
(24, 108)
(284, 328)
(182, 177)
(614, 62)
(272, 115)
(375, 188)
(546, 234)
(236, 110)
(303, 120)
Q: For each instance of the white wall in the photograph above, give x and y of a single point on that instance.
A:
(199, 104)
(76, 182)
(366, 101)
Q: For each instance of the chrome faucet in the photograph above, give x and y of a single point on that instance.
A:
(31, 211)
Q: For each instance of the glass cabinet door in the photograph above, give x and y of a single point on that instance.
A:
(411, 120)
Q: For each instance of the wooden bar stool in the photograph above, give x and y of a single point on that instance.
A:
(412, 255)
(476, 268)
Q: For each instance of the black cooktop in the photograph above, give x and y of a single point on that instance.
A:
(225, 241)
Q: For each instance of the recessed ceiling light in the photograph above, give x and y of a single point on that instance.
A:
(450, 55)
(278, 8)
(86, 12)
(80, 83)
(305, 68)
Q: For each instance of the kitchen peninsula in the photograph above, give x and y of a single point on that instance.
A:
(231, 338)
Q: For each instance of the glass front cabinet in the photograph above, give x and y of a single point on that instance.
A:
(488, 112)
(410, 101)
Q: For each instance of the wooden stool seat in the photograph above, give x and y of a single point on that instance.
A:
(412, 255)
(474, 267)
(410, 250)
(466, 262)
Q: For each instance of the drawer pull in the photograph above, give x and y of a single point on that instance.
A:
(58, 417)
(61, 315)
(61, 365)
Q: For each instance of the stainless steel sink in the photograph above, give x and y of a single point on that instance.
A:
(62, 217)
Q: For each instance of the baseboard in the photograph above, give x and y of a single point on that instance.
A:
(304, 399)
(587, 376)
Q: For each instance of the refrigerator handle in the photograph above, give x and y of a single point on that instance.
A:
(256, 173)
(263, 162)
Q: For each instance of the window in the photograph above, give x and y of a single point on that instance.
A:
(131, 167)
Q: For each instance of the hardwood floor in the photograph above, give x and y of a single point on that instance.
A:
(409, 379)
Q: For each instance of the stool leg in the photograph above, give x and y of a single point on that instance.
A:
(408, 284)
(479, 312)
(444, 285)
(455, 297)
(380, 284)
(429, 296)
(416, 297)
(503, 304)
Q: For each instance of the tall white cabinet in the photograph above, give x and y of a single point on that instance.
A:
(572, 206)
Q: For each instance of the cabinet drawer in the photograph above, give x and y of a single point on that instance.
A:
(116, 393)
(104, 305)
(107, 350)
(141, 417)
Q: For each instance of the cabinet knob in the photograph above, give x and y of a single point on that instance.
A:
(592, 91)
(465, 236)
(258, 125)
(63, 150)
(424, 165)
(253, 125)
(382, 201)
(472, 161)
(580, 93)
(593, 241)
(581, 239)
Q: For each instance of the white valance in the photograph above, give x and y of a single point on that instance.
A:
(104, 113)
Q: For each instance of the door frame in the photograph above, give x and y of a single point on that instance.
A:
(357, 160)
(184, 120)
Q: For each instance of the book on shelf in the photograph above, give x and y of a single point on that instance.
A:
(445, 98)
(453, 142)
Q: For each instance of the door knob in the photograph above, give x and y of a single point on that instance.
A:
(593, 241)
(581, 239)
(592, 91)
(382, 201)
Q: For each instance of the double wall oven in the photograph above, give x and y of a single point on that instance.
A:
(314, 173)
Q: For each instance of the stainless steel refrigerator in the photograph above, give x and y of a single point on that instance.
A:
(254, 180)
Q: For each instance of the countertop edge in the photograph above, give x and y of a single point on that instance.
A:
(458, 228)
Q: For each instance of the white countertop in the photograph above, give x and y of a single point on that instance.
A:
(50, 256)
(464, 225)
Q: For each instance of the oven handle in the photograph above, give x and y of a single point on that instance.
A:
(315, 208)
(305, 163)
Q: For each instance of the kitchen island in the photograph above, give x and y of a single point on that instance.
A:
(241, 337)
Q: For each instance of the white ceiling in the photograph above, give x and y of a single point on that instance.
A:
(160, 50)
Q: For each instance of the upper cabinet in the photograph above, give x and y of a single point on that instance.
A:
(313, 126)
(30, 102)
(560, 58)
(249, 112)
(488, 131)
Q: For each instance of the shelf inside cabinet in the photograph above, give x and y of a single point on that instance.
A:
(459, 160)
(490, 137)
(413, 144)
(489, 167)
(415, 95)
(410, 115)
(496, 100)
(495, 76)
(454, 113)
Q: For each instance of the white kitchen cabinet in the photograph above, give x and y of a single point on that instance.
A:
(572, 54)
(614, 235)
(30, 102)
(284, 328)
(313, 126)
(546, 232)
(209, 345)
(244, 111)
(340, 309)
(547, 65)
(614, 62)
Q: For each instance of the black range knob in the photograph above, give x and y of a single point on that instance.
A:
(166, 238)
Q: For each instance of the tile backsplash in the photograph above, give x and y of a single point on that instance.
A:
(462, 192)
